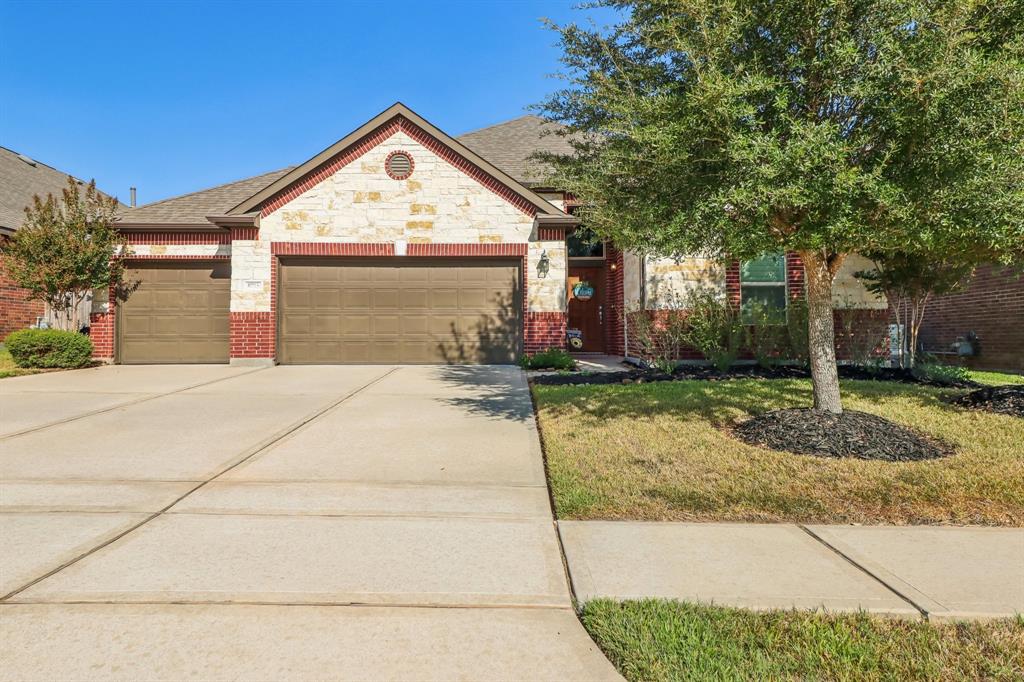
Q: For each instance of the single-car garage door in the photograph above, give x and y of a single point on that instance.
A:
(179, 313)
(400, 310)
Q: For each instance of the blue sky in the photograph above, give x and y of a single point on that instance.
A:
(175, 97)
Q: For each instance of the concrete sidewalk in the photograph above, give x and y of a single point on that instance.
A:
(941, 573)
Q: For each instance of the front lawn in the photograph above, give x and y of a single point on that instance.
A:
(664, 640)
(657, 452)
(995, 378)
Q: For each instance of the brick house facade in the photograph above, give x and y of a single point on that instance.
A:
(991, 308)
(17, 311)
(347, 213)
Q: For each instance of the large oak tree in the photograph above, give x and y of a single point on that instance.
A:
(824, 127)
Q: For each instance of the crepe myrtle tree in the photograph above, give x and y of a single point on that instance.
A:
(66, 248)
(823, 127)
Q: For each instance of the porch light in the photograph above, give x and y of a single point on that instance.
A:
(613, 266)
(543, 265)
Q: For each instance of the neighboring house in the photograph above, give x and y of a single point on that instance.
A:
(22, 178)
(398, 243)
(988, 311)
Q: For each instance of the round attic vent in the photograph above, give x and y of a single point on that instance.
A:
(398, 165)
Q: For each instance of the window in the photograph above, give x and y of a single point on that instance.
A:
(583, 243)
(763, 286)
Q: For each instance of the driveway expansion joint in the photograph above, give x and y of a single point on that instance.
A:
(252, 452)
(146, 397)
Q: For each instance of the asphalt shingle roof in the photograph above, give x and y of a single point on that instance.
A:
(21, 178)
(506, 145)
(193, 208)
(509, 146)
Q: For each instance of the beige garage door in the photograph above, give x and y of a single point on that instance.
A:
(400, 310)
(178, 314)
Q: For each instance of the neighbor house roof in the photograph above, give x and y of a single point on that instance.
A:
(193, 208)
(509, 146)
(502, 150)
(21, 178)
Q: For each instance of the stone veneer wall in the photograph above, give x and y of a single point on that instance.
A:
(359, 203)
(667, 281)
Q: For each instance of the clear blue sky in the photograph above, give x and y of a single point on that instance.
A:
(178, 96)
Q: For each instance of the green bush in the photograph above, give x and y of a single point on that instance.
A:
(552, 358)
(767, 335)
(714, 328)
(49, 348)
(939, 373)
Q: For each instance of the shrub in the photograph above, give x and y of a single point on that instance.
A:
(934, 371)
(766, 335)
(714, 328)
(552, 358)
(49, 348)
(796, 330)
(660, 335)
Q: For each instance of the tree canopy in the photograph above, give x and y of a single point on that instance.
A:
(825, 127)
(66, 248)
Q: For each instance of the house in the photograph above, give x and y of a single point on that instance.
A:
(22, 178)
(398, 243)
(988, 311)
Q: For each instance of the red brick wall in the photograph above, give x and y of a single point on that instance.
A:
(615, 302)
(543, 331)
(252, 335)
(16, 310)
(992, 306)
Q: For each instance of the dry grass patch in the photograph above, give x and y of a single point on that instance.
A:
(658, 451)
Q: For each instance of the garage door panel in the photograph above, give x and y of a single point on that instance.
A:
(179, 313)
(401, 311)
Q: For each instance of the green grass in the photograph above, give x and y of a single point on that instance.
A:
(664, 640)
(8, 368)
(996, 378)
(659, 452)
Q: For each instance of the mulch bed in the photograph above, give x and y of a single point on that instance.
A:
(705, 373)
(851, 434)
(1001, 399)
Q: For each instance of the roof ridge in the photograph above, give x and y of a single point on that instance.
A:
(502, 123)
(41, 163)
(210, 189)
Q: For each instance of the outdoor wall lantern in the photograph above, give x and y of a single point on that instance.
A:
(543, 265)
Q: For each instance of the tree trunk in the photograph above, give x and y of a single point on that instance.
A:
(821, 333)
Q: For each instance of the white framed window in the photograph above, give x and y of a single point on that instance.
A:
(763, 286)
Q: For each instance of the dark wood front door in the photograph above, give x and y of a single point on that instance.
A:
(588, 316)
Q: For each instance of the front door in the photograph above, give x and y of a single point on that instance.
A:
(588, 315)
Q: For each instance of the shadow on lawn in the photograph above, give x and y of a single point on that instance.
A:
(719, 402)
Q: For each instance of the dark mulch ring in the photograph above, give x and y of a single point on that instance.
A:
(851, 434)
(1001, 399)
(706, 373)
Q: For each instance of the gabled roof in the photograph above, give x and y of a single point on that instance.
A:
(193, 208)
(401, 112)
(21, 178)
(510, 145)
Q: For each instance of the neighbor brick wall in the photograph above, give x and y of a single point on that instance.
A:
(992, 306)
(16, 310)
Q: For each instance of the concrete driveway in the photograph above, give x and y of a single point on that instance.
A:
(293, 522)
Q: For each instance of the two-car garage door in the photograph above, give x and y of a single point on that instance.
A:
(399, 310)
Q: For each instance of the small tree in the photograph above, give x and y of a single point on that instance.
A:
(909, 282)
(823, 127)
(67, 248)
